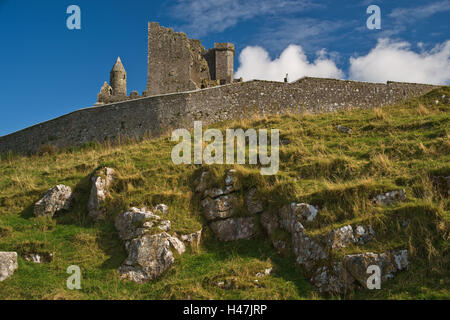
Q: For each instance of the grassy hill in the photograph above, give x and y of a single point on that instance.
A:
(400, 146)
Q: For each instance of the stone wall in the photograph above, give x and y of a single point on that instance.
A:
(175, 62)
(159, 114)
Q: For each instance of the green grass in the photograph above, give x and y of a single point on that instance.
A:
(399, 146)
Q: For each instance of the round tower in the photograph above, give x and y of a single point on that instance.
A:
(118, 79)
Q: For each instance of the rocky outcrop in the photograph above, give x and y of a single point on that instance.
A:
(341, 237)
(307, 252)
(38, 257)
(388, 262)
(162, 208)
(220, 205)
(314, 253)
(8, 264)
(148, 257)
(136, 222)
(101, 183)
(346, 235)
(56, 199)
(253, 202)
(148, 245)
(294, 212)
(219, 208)
(192, 239)
(390, 197)
(234, 228)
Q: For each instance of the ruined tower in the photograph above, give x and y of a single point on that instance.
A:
(224, 62)
(177, 63)
(118, 79)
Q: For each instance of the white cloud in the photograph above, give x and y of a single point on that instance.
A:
(311, 33)
(205, 16)
(255, 63)
(397, 62)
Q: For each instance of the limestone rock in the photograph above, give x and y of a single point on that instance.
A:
(56, 199)
(253, 203)
(193, 239)
(390, 197)
(269, 222)
(162, 208)
(296, 212)
(363, 234)
(341, 238)
(101, 182)
(213, 193)
(38, 258)
(231, 181)
(176, 243)
(148, 257)
(233, 228)
(334, 279)
(135, 223)
(8, 264)
(400, 258)
(307, 252)
(164, 225)
(219, 208)
(389, 263)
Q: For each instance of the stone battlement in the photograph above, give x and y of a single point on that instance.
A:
(156, 115)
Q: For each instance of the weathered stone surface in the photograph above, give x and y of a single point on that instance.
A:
(335, 279)
(38, 258)
(400, 258)
(177, 63)
(389, 263)
(269, 222)
(253, 203)
(296, 212)
(231, 184)
(177, 244)
(148, 257)
(162, 208)
(213, 193)
(233, 228)
(363, 234)
(56, 199)
(135, 223)
(101, 182)
(219, 208)
(390, 197)
(193, 239)
(341, 238)
(307, 252)
(8, 264)
(164, 225)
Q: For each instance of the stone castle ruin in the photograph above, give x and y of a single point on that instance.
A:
(185, 83)
(175, 64)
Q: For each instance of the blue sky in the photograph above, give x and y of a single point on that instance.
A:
(48, 70)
